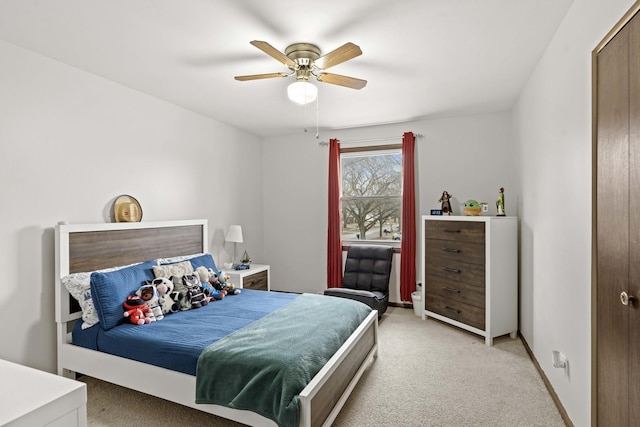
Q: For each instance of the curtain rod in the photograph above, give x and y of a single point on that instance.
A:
(385, 138)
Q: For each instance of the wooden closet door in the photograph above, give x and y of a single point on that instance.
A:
(612, 231)
(634, 219)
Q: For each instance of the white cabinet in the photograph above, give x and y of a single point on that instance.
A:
(470, 273)
(29, 398)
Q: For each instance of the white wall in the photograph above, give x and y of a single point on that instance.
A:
(467, 156)
(552, 154)
(70, 142)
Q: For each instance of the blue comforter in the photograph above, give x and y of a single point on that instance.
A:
(176, 341)
(260, 348)
(264, 366)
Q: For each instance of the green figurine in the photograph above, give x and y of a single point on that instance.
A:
(500, 202)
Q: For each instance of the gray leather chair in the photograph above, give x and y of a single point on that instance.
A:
(366, 276)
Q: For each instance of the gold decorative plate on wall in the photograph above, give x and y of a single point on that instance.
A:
(127, 209)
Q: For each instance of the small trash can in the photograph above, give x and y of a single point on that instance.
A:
(416, 299)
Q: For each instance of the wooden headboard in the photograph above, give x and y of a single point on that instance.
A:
(89, 247)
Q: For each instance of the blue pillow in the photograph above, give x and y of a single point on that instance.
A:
(205, 260)
(110, 290)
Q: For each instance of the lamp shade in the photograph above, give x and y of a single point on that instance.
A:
(234, 234)
(302, 92)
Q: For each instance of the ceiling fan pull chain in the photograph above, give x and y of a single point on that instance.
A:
(306, 120)
(317, 116)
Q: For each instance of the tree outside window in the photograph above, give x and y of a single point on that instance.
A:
(371, 194)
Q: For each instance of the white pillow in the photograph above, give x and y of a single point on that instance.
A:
(175, 259)
(79, 286)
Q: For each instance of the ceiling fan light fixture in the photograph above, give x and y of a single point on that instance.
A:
(302, 92)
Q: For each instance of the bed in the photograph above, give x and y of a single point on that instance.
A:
(92, 247)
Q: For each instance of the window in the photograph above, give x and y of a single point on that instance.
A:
(371, 193)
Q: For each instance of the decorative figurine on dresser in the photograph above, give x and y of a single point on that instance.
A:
(500, 202)
(446, 204)
(470, 273)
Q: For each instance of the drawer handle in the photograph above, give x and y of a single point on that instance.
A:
(450, 250)
(451, 270)
(452, 290)
(452, 310)
(451, 230)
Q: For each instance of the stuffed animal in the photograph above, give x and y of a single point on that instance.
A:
(136, 310)
(196, 294)
(219, 282)
(149, 294)
(168, 299)
(204, 273)
(182, 291)
(163, 286)
(207, 276)
(213, 293)
(228, 287)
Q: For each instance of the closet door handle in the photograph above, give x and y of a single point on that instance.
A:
(451, 270)
(625, 298)
(450, 250)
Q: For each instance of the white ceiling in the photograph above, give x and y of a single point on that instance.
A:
(421, 58)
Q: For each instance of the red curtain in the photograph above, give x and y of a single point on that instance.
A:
(408, 246)
(334, 240)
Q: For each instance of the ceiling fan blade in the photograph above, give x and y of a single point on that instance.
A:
(346, 81)
(344, 53)
(274, 53)
(260, 76)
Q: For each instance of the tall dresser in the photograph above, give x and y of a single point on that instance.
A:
(470, 273)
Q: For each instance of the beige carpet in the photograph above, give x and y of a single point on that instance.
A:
(427, 374)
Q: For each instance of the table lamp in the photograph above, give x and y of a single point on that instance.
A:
(234, 234)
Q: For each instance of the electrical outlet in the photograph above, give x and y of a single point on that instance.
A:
(559, 360)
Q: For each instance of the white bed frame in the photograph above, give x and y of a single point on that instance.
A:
(88, 247)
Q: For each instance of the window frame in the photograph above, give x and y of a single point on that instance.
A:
(391, 149)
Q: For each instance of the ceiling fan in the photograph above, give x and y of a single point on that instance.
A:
(304, 61)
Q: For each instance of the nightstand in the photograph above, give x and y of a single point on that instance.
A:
(255, 277)
(36, 398)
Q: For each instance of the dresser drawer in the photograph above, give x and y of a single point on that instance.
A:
(455, 310)
(256, 281)
(464, 231)
(456, 291)
(455, 250)
(456, 271)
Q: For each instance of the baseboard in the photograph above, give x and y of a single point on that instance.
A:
(547, 383)
(401, 304)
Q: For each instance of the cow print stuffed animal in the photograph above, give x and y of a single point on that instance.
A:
(183, 292)
(168, 298)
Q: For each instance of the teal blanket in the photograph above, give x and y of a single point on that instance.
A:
(265, 365)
